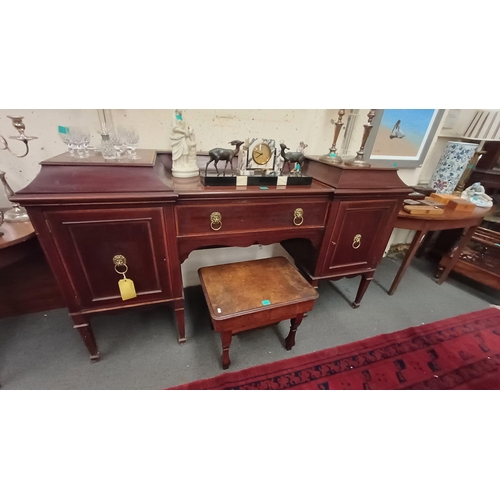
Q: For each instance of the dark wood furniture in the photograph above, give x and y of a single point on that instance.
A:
(87, 211)
(479, 259)
(487, 170)
(247, 295)
(424, 224)
(12, 247)
(360, 219)
(27, 284)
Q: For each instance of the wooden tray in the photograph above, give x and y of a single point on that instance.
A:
(422, 210)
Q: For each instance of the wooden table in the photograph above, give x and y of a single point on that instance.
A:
(247, 295)
(14, 233)
(423, 224)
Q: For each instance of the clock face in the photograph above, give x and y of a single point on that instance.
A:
(261, 153)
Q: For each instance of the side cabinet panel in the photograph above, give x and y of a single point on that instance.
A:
(359, 235)
(87, 241)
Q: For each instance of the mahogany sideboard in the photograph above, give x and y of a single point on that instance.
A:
(87, 211)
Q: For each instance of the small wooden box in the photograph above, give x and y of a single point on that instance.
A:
(432, 202)
(461, 205)
(443, 198)
(422, 210)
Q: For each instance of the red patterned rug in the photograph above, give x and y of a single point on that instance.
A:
(456, 353)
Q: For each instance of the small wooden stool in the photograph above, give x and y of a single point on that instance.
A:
(247, 295)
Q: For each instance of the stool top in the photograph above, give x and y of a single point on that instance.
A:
(245, 287)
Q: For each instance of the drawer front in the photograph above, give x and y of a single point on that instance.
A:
(359, 235)
(240, 216)
(87, 241)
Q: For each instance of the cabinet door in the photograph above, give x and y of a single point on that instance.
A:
(358, 237)
(87, 241)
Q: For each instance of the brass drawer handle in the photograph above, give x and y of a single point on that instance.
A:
(120, 261)
(356, 242)
(216, 220)
(298, 216)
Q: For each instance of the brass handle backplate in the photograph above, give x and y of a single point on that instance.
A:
(120, 261)
(216, 221)
(298, 216)
(356, 242)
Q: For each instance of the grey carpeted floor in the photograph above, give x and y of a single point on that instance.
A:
(139, 348)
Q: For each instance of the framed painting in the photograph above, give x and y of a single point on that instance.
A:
(401, 137)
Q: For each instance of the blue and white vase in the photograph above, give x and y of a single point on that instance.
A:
(451, 166)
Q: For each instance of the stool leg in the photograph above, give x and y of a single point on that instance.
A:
(226, 343)
(294, 324)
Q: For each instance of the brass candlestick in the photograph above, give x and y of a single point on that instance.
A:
(358, 160)
(332, 156)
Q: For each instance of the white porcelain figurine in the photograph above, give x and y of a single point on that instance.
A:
(301, 147)
(183, 147)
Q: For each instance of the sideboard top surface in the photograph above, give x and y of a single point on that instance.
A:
(66, 178)
(146, 158)
(192, 187)
(348, 179)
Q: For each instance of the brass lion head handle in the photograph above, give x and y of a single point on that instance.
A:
(119, 260)
(298, 216)
(216, 221)
(356, 242)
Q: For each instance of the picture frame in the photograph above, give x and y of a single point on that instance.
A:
(401, 137)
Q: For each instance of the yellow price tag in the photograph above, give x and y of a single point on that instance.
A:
(127, 289)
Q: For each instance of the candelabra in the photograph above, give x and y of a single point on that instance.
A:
(358, 160)
(16, 213)
(332, 156)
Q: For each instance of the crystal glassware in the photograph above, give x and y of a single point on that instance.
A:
(116, 140)
(130, 139)
(80, 138)
(86, 142)
(108, 151)
(67, 138)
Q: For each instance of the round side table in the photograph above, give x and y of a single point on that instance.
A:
(14, 233)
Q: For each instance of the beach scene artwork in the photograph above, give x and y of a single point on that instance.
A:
(402, 133)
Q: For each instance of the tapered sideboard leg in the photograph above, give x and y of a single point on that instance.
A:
(83, 326)
(179, 316)
(366, 279)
